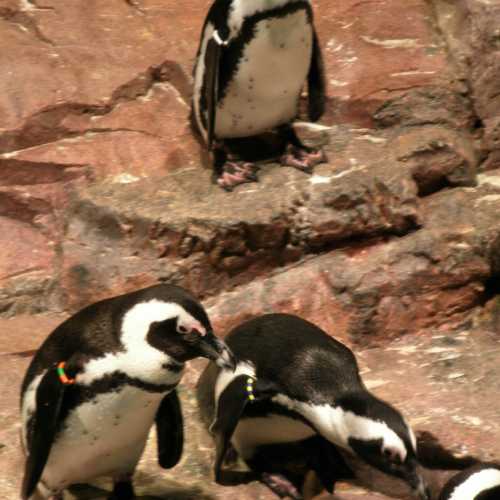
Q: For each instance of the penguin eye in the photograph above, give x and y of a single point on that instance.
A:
(182, 329)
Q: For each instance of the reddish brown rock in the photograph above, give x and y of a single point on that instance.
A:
(80, 64)
(471, 31)
(186, 230)
(381, 51)
(101, 94)
(432, 276)
(437, 158)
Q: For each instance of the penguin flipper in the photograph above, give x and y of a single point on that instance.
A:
(316, 85)
(230, 407)
(211, 83)
(49, 397)
(169, 431)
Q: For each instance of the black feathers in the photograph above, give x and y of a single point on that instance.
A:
(301, 359)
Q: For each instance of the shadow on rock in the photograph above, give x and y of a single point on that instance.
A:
(155, 492)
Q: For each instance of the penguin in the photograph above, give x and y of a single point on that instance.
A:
(252, 63)
(101, 380)
(480, 482)
(294, 383)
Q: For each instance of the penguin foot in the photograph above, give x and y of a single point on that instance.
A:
(281, 486)
(302, 158)
(234, 174)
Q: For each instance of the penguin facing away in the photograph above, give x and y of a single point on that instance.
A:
(100, 381)
(481, 482)
(296, 387)
(253, 60)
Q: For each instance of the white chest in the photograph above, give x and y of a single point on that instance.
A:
(103, 437)
(267, 83)
(273, 429)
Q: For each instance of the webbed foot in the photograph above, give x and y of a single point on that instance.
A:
(235, 173)
(281, 486)
(302, 158)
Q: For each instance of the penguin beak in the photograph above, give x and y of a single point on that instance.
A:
(216, 350)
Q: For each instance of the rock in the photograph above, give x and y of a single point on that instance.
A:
(437, 157)
(100, 96)
(186, 230)
(83, 69)
(427, 106)
(373, 59)
(383, 289)
(471, 31)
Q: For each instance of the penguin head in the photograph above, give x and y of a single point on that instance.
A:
(173, 322)
(185, 336)
(379, 435)
(481, 481)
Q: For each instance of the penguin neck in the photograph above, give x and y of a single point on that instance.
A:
(338, 423)
(243, 9)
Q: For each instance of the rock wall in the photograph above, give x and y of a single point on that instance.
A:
(103, 189)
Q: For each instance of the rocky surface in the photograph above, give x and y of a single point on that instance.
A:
(103, 189)
(454, 378)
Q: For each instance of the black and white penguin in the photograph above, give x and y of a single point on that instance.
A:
(481, 482)
(253, 60)
(100, 381)
(294, 384)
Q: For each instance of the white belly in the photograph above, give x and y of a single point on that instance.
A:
(266, 87)
(104, 437)
(253, 432)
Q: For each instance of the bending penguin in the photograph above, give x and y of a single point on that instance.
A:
(252, 63)
(481, 482)
(102, 379)
(296, 388)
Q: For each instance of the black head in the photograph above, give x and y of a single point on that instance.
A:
(379, 435)
(173, 323)
(183, 339)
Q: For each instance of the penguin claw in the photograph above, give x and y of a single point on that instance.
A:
(234, 174)
(281, 486)
(303, 159)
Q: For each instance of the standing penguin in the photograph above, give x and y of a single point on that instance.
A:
(99, 382)
(253, 60)
(481, 482)
(293, 383)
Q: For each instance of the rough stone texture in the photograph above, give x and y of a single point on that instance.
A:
(392, 286)
(186, 230)
(379, 53)
(470, 28)
(102, 190)
(454, 378)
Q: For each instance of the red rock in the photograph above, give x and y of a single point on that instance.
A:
(432, 276)
(471, 31)
(23, 250)
(73, 76)
(437, 158)
(376, 51)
